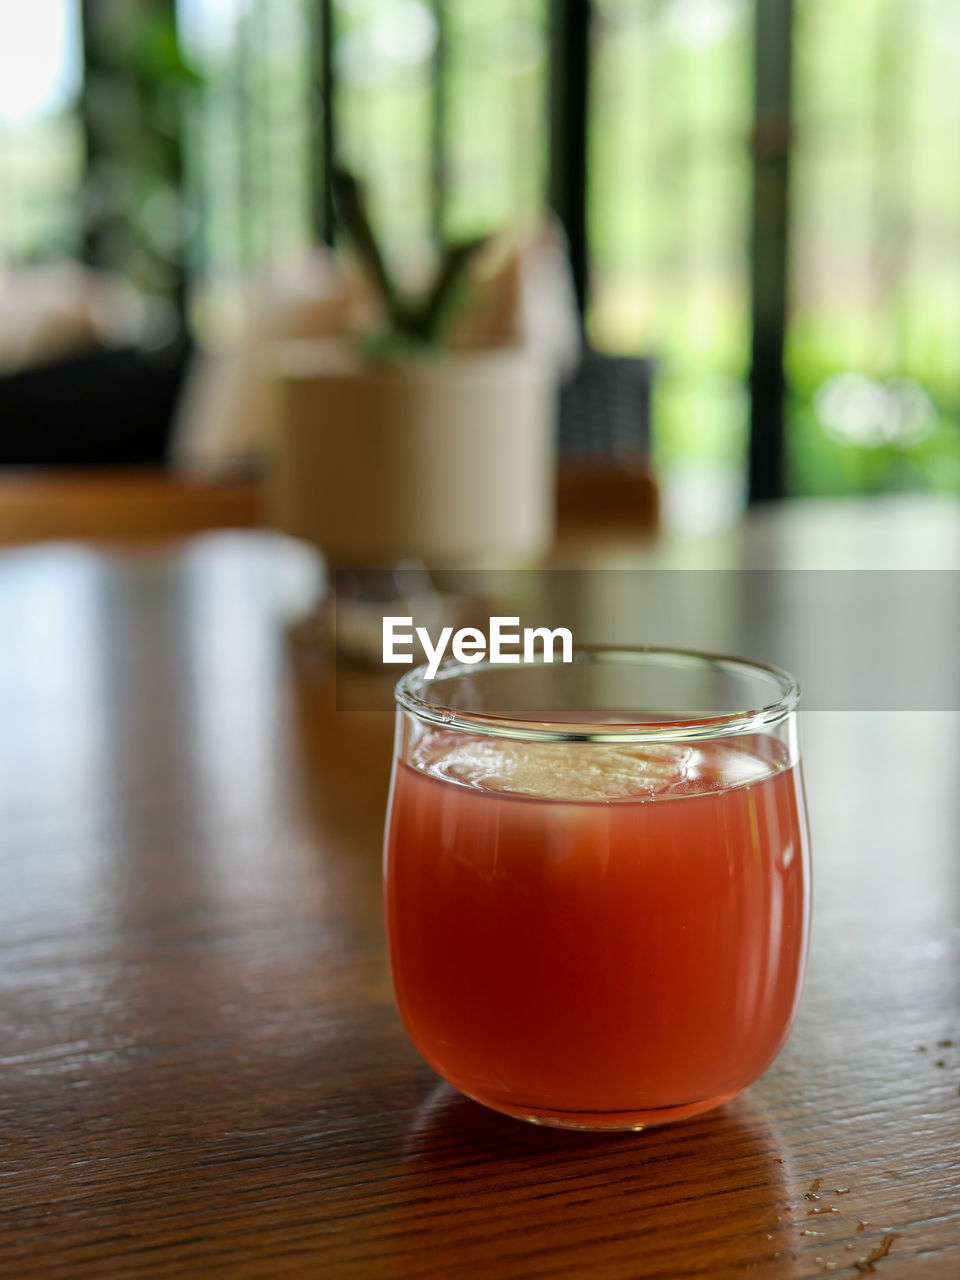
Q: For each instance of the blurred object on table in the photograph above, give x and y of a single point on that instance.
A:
(605, 468)
(522, 294)
(222, 418)
(517, 294)
(361, 600)
(429, 430)
(448, 460)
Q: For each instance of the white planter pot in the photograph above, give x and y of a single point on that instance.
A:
(448, 459)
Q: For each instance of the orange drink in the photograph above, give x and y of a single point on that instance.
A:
(597, 933)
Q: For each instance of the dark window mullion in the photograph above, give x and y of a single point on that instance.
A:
(569, 94)
(322, 116)
(773, 30)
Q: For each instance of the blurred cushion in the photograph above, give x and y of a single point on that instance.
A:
(106, 407)
(52, 310)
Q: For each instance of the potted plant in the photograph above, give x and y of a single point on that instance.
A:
(393, 444)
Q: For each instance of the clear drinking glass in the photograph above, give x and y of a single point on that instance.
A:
(597, 881)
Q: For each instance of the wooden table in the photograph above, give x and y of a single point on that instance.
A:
(202, 1070)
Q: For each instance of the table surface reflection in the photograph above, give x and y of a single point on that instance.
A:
(202, 1070)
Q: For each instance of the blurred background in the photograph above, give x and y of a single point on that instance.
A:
(761, 203)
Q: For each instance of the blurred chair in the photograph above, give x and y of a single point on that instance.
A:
(89, 369)
(99, 408)
(605, 469)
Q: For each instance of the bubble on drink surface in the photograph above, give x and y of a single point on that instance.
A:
(587, 770)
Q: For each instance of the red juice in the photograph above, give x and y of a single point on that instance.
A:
(597, 935)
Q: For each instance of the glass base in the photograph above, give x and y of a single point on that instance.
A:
(604, 1121)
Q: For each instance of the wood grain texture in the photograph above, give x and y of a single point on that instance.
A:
(201, 1070)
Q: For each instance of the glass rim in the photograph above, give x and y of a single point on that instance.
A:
(410, 688)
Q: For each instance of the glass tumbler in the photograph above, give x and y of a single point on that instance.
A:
(597, 881)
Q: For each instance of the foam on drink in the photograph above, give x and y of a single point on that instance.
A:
(594, 771)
